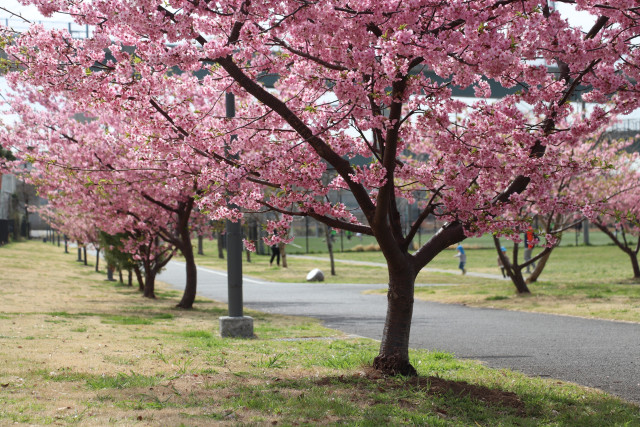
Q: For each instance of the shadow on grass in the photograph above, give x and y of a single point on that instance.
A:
(433, 386)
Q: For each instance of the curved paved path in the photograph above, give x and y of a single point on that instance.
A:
(596, 353)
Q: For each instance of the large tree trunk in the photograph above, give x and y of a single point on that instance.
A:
(149, 283)
(97, 258)
(332, 261)
(84, 253)
(189, 295)
(130, 278)
(393, 358)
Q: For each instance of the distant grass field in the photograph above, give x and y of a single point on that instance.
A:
(341, 244)
(77, 350)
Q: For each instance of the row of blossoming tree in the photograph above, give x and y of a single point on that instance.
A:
(368, 80)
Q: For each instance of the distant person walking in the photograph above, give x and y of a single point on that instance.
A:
(500, 263)
(529, 244)
(275, 253)
(463, 258)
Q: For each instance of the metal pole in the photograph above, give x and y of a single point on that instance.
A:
(234, 242)
(341, 231)
(236, 324)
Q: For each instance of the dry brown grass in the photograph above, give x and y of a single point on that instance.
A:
(62, 325)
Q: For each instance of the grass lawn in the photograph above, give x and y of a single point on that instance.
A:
(76, 349)
(319, 245)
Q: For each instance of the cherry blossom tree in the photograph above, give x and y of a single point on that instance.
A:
(76, 224)
(590, 191)
(106, 169)
(621, 222)
(363, 91)
(626, 227)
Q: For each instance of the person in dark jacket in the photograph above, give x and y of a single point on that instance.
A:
(275, 253)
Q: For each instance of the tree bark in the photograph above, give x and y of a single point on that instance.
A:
(130, 278)
(200, 246)
(189, 295)
(539, 268)
(634, 264)
(513, 270)
(393, 358)
(110, 273)
(97, 258)
(518, 281)
(149, 283)
(139, 277)
(84, 253)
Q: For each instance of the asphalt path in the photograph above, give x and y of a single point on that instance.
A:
(596, 353)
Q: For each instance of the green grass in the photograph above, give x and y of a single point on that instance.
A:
(136, 320)
(197, 334)
(591, 264)
(122, 381)
(127, 320)
(100, 382)
(318, 244)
